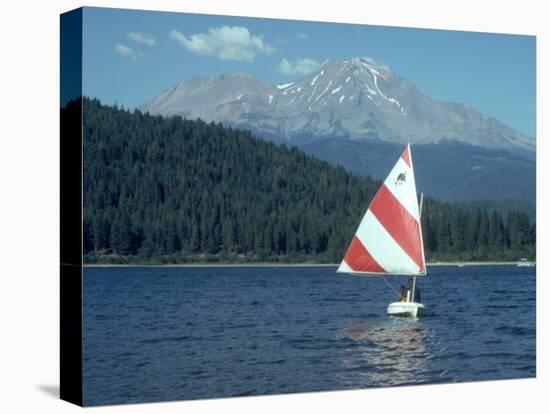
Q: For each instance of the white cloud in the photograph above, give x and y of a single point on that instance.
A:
(126, 51)
(142, 38)
(225, 42)
(299, 66)
(302, 36)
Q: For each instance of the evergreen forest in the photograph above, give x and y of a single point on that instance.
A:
(171, 190)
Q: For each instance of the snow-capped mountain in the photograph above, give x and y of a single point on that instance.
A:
(351, 99)
(357, 114)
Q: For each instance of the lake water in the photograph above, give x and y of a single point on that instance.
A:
(153, 334)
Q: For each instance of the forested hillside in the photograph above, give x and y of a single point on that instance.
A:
(175, 190)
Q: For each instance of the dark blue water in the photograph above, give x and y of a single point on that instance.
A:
(155, 334)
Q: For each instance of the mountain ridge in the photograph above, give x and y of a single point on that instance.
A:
(450, 170)
(349, 99)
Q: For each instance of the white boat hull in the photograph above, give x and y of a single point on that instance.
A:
(406, 309)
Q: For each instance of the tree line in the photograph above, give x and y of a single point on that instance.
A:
(174, 190)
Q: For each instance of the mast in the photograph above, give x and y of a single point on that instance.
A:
(420, 218)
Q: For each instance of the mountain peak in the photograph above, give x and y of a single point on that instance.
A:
(358, 64)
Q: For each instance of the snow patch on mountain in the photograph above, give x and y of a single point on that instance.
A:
(324, 90)
(314, 80)
(284, 85)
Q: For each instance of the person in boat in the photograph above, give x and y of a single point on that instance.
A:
(402, 293)
(416, 291)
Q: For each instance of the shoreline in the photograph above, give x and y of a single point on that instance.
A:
(261, 264)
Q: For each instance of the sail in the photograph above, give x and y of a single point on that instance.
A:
(389, 238)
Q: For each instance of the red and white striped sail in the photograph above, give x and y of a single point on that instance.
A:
(389, 238)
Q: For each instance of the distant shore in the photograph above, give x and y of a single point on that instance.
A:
(262, 264)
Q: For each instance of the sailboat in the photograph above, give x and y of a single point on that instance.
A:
(389, 238)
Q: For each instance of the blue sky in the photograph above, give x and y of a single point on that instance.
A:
(131, 56)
